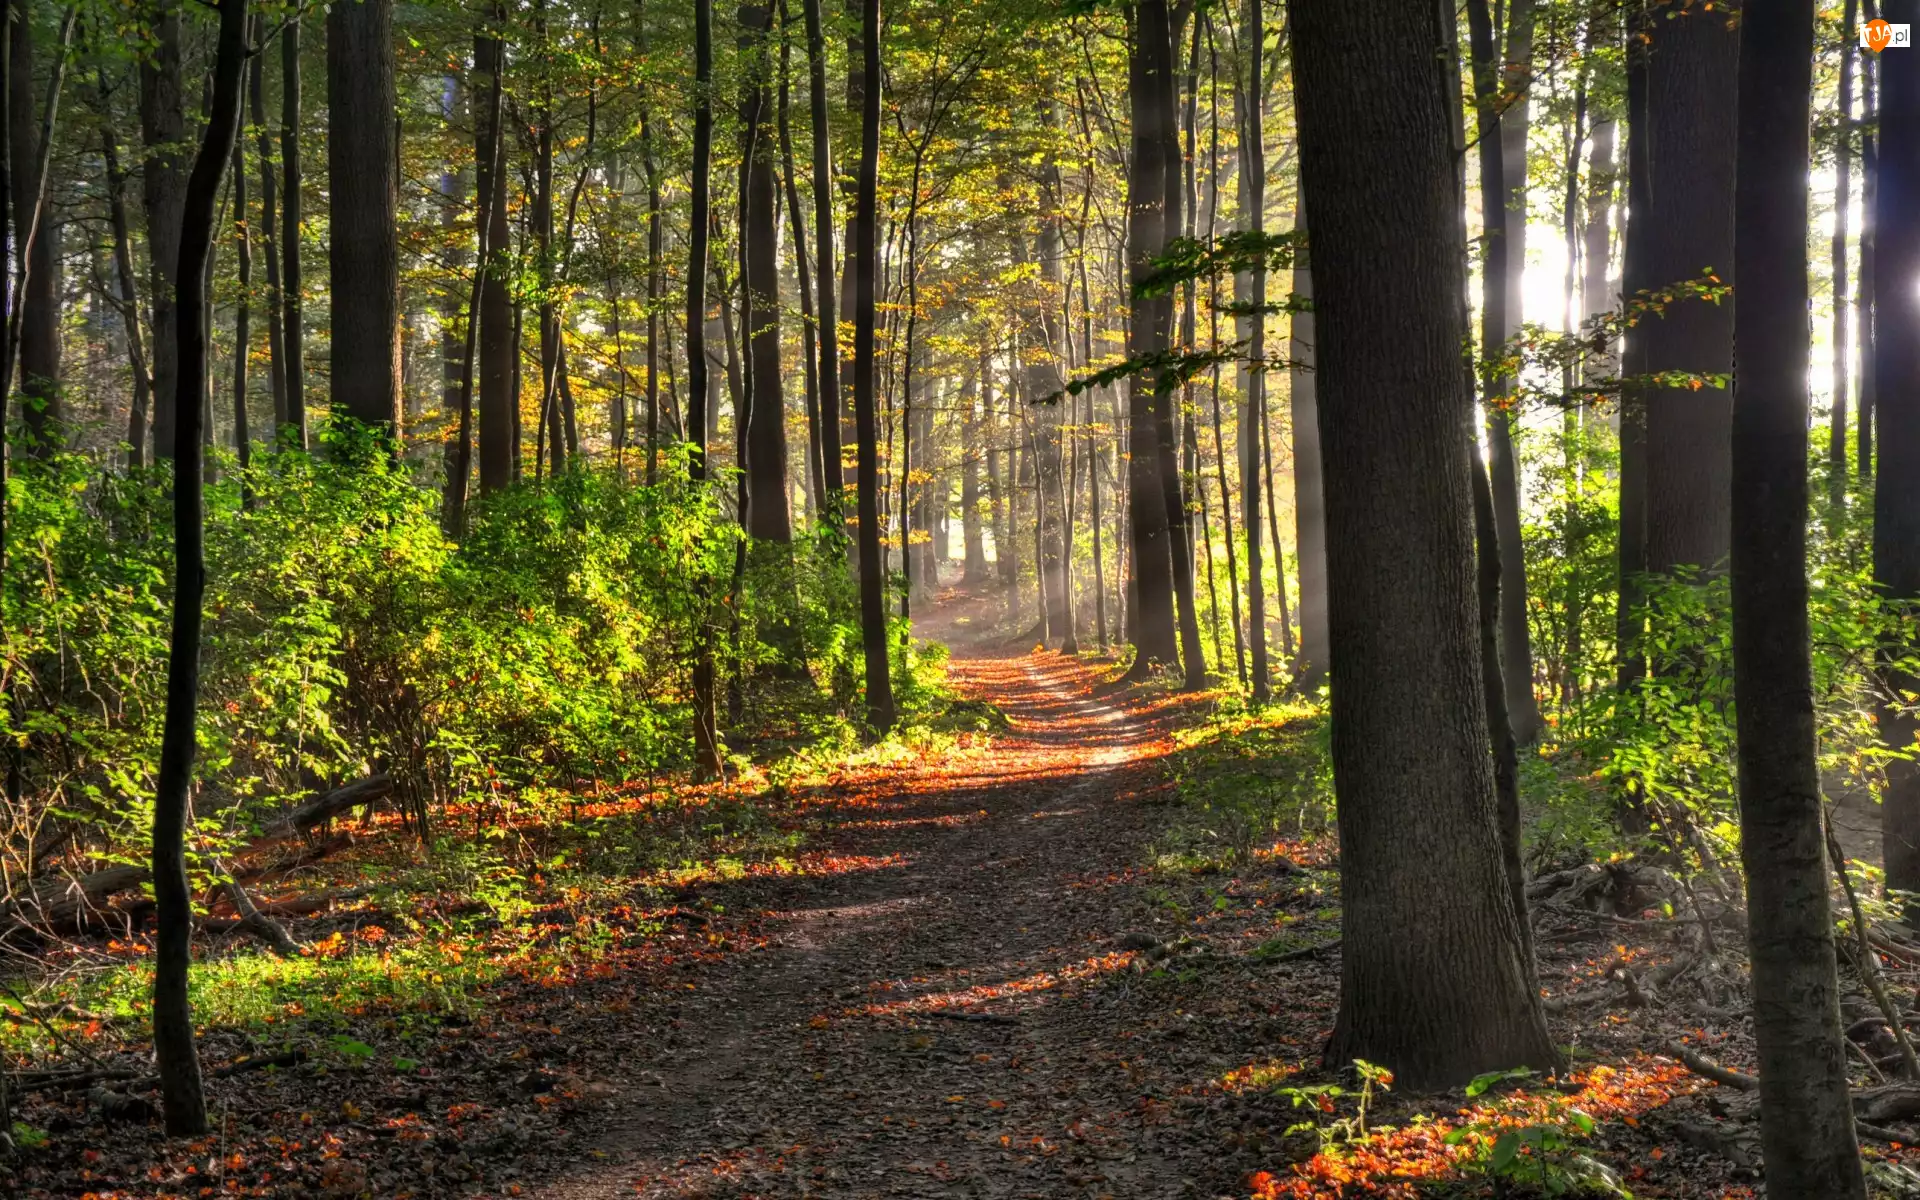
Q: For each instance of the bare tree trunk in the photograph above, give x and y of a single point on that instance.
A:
(866, 272)
(163, 129)
(832, 410)
(1420, 843)
(768, 517)
(182, 1097)
(243, 304)
(1896, 514)
(1842, 200)
(706, 734)
(499, 343)
(1806, 1114)
(363, 258)
(269, 232)
(139, 411)
(292, 336)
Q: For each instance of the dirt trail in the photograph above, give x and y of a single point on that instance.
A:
(953, 1019)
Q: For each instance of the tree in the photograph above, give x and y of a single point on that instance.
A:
(865, 269)
(1692, 67)
(1806, 1115)
(38, 330)
(163, 129)
(768, 517)
(1896, 493)
(706, 733)
(1309, 503)
(499, 439)
(1419, 845)
(363, 257)
(292, 322)
(1842, 203)
(1150, 86)
(831, 408)
(1503, 209)
(1250, 95)
(181, 1094)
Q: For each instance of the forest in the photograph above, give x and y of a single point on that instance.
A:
(1281, 599)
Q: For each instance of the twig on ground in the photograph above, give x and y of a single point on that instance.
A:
(1701, 1065)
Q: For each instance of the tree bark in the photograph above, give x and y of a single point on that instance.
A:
(292, 334)
(1499, 289)
(163, 129)
(769, 516)
(1842, 201)
(269, 233)
(182, 1097)
(1150, 87)
(1806, 1115)
(1896, 513)
(832, 410)
(243, 303)
(1692, 68)
(866, 276)
(1419, 842)
(363, 259)
(139, 411)
(499, 440)
(1309, 501)
(40, 307)
(706, 733)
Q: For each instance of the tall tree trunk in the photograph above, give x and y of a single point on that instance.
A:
(803, 275)
(866, 278)
(1842, 201)
(1504, 231)
(453, 339)
(1420, 845)
(292, 334)
(1309, 502)
(243, 303)
(363, 257)
(1806, 1114)
(832, 409)
(269, 231)
(656, 233)
(182, 1098)
(1867, 296)
(706, 733)
(1150, 86)
(1253, 173)
(971, 433)
(39, 234)
(855, 101)
(1896, 513)
(1692, 68)
(768, 515)
(499, 344)
(163, 130)
(1596, 241)
(140, 410)
(1629, 657)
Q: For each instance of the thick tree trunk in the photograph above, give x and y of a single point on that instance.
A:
(1806, 1115)
(1150, 86)
(1896, 513)
(1632, 553)
(1692, 68)
(1868, 282)
(181, 1095)
(40, 307)
(1253, 175)
(499, 347)
(292, 335)
(768, 517)
(1419, 842)
(163, 130)
(865, 267)
(363, 257)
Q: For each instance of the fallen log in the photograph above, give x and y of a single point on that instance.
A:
(61, 903)
(1701, 1065)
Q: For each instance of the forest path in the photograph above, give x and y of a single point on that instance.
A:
(951, 1016)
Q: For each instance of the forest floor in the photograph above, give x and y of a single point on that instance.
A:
(993, 973)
